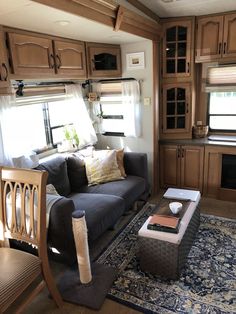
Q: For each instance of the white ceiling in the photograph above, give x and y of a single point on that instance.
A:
(28, 15)
(170, 8)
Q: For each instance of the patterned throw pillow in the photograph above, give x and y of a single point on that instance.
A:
(102, 168)
(120, 161)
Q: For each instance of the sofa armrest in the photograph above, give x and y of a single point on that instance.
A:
(60, 233)
(136, 164)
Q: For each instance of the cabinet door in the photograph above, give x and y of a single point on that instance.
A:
(103, 60)
(31, 55)
(176, 109)
(177, 49)
(169, 165)
(4, 72)
(70, 59)
(192, 167)
(209, 38)
(229, 40)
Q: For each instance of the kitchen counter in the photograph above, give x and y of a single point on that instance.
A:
(200, 142)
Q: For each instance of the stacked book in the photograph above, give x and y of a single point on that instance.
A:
(164, 223)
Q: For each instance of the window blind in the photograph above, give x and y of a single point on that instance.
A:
(221, 78)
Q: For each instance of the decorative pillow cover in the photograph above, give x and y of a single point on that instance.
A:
(50, 189)
(120, 161)
(102, 168)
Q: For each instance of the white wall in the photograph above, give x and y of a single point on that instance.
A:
(145, 142)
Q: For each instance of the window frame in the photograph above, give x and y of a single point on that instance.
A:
(46, 117)
(209, 115)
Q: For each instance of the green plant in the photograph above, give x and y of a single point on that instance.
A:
(71, 134)
(67, 133)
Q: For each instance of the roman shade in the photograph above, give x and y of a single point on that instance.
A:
(221, 78)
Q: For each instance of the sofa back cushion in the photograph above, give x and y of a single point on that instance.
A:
(76, 173)
(57, 174)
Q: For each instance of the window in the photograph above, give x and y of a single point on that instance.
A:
(222, 111)
(120, 107)
(40, 122)
(221, 85)
(112, 108)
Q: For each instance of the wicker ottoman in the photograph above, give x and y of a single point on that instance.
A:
(163, 253)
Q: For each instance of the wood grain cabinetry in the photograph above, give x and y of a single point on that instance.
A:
(213, 186)
(216, 38)
(177, 81)
(177, 49)
(70, 58)
(181, 166)
(4, 71)
(34, 56)
(103, 60)
(176, 111)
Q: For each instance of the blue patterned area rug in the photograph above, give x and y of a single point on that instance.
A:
(207, 283)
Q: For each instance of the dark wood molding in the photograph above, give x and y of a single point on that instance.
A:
(119, 18)
(138, 5)
(156, 172)
(105, 12)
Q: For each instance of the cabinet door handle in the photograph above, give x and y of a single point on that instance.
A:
(178, 154)
(182, 153)
(51, 62)
(219, 48)
(59, 62)
(186, 108)
(224, 48)
(188, 67)
(6, 70)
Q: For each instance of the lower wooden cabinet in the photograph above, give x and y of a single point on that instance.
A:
(181, 166)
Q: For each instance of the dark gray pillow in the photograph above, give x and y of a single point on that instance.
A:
(76, 173)
(57, 174)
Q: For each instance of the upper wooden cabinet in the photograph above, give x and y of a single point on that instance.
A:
(34, 57)
(30, 55)
(216, 38)
(4, 71)
(177, 48)
(70, 58)
(103, 60)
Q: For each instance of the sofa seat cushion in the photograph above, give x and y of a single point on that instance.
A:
(101, 211)
(130, 189)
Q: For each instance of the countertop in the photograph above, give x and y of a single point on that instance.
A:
(200, 142)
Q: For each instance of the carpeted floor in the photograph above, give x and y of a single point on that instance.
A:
(207, 283)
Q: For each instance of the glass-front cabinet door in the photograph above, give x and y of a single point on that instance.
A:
(176, 108)
(177, 49)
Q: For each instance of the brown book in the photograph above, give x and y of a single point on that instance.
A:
(164, 221)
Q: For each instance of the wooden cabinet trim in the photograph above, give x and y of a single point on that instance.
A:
(181, 166)
(221, 40)
(91, 49)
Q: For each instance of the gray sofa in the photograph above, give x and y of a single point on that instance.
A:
(103, 204)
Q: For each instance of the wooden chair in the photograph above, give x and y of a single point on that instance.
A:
(23, 217)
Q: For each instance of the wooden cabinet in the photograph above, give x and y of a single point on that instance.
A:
(103, 60)
(4, 71)
(177, 82)
(176, 111)
(216, 38)
(34, 56)
(214, 185)
(70, 58)
(177, 48)
(31, 55)
(181, 166)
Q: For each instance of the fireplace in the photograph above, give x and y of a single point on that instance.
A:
(228, 173)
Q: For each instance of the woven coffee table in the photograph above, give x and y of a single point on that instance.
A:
(163, 253)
